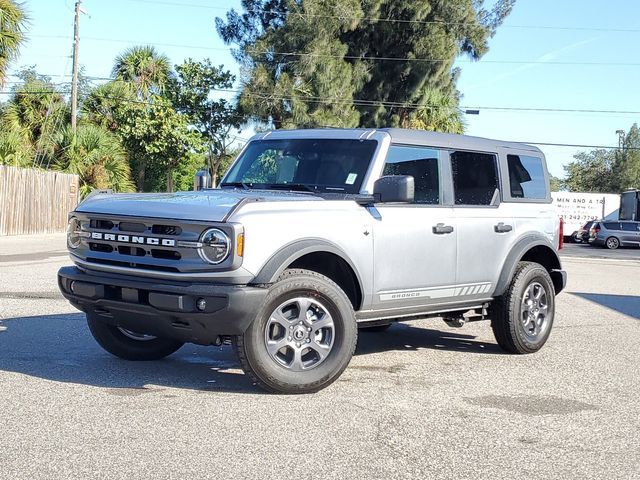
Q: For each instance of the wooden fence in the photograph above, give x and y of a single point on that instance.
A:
(35, 201)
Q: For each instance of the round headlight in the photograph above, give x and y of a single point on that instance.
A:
(73, 233)
(215, 246)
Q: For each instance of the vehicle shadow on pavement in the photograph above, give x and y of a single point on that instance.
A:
(626, 304)
(61, 349)
(401, 336)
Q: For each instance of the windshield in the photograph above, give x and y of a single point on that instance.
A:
(320, 165)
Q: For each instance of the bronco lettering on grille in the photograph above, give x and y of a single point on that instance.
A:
(112, 237)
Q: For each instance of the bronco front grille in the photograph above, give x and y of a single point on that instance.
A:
(144, 243)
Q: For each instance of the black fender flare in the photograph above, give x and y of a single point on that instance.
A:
(278, 262)
(521, 247)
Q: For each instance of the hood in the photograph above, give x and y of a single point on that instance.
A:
(207, 205)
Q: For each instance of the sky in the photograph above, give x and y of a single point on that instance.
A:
(548, 54)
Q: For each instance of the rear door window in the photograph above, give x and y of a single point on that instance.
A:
(629, 227)
(475, 177)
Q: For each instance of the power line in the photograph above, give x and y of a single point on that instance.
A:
(356, 102)
(310, 124)
(393, 20)
(360, 57)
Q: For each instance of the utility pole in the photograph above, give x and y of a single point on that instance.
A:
(74, 80)
(621, 135)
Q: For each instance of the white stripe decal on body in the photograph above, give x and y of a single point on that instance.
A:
(436, 293)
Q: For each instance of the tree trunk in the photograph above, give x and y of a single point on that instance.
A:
(170, 180)
(214, 172)
(141, 177)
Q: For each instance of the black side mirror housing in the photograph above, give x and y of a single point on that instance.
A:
(394, 189)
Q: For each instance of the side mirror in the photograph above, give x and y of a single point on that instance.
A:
(394, 189)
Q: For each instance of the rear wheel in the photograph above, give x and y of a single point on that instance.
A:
(522, 317)
(612, 243)
(130, 345)
(303, 337)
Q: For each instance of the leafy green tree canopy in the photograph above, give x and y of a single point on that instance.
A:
(13, 22)
(353, 62)
(195, 92)
(603, 170)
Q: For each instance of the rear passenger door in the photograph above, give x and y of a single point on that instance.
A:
(485, 225)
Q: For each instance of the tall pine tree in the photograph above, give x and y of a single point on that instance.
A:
(353, 62)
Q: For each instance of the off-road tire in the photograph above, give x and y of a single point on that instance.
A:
(117, 343)
(259, 365)
(505, 311)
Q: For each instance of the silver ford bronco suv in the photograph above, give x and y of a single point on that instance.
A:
(313, 234)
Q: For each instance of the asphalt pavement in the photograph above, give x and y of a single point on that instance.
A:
(587, 251)
(420, 401)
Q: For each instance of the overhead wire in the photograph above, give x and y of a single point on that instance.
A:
(362, 102)
(370, 58)
(389, 19)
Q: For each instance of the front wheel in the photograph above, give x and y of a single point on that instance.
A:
(522, 317)
(130, 345)
(303, 337)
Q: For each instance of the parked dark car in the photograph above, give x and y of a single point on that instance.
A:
(615, 234)
(582, 235)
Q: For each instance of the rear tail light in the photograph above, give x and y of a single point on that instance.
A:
(561, 235)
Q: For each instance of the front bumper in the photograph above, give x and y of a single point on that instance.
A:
(167, 310)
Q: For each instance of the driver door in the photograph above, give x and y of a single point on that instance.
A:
(415, 245)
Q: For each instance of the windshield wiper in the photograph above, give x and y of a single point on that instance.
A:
(235, 185)
(299, 187)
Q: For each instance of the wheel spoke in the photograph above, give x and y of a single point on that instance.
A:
(537, 325)
(325, 321)
(529, 294)
(296, 362)
(539, 293)
(321, 350)
(303, 307)
(274, 346)
(279, 318)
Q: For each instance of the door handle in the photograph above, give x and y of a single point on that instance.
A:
(502, 228)
(441, 229)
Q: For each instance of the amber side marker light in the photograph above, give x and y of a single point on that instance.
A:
(240, 245)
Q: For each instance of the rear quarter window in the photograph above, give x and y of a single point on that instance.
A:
(611, 225)
(526, 177)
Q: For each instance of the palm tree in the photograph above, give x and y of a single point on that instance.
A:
(143, 66)
(440, 113)
(101, 106)
(95, 154)
(30, 120)
(13, 20)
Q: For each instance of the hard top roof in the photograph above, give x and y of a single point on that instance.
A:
(401, 136)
